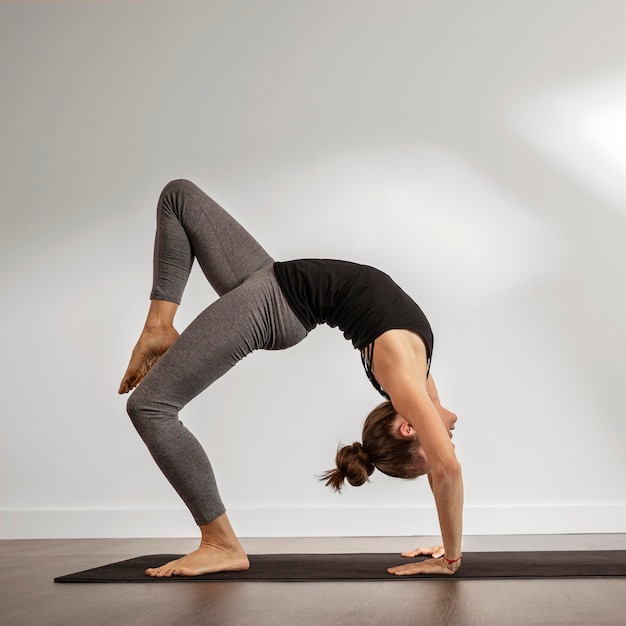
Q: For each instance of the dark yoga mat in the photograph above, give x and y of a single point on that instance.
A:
(335, 567)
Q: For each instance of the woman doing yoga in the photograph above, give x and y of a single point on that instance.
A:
(272, 305)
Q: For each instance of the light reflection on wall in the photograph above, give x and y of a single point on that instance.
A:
(581, 128)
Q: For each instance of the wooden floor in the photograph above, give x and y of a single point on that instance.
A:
(28, 596)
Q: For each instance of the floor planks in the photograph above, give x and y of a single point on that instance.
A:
(29, 597)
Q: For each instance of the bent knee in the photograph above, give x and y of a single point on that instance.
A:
(145, 408)
(179, 186)
(139, 408)
(135, 407)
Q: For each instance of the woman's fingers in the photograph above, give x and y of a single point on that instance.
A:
(430, 566)
(415, 552)
(438, 551)
(434, 551)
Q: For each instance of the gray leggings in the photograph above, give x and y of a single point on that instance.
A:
(251, 314)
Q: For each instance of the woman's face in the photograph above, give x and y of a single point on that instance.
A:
(448, 418)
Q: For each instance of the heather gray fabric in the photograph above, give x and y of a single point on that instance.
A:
(189, 224)
(251, 314)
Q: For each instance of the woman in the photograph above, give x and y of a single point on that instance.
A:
(272, 306)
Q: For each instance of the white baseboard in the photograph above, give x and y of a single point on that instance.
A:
(314, 522)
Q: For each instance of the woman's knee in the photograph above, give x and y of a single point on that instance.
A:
(179, 186)
(148, 409)
(143, 410)
(135, 408)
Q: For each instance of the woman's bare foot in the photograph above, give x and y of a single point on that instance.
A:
(204, 560)
(219, 551)
(152, 344)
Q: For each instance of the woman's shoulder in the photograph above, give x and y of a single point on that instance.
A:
(401, 348)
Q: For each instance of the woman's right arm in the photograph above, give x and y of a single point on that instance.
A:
(400, 367)
(445, 475)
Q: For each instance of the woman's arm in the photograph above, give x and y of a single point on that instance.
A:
(400, 367)
(431, 388)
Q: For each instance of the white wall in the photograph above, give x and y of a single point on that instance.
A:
(473, 150)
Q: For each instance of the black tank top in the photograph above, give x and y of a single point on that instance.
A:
(360, 300)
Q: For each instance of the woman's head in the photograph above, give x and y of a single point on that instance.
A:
(383, 447)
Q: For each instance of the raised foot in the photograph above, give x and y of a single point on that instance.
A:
(151, 346)
(204, 560)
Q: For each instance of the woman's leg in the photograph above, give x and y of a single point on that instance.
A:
(189, 225)
(251, 314)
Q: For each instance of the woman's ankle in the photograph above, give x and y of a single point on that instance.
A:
(219, 533)
(161, 316)
(157, 328)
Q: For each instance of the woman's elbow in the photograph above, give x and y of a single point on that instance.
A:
(448, 471)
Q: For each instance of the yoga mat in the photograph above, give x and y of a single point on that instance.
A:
(371, 566)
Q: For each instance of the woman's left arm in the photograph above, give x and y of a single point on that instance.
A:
(401, 371)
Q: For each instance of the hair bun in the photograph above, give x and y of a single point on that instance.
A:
(359, 451)
(353, 464)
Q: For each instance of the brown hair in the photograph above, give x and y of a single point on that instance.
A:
(395, 456)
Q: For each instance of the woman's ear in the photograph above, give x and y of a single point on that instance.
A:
(406, 430)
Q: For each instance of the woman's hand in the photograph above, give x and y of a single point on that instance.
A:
(435, 552)
(436, 565)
